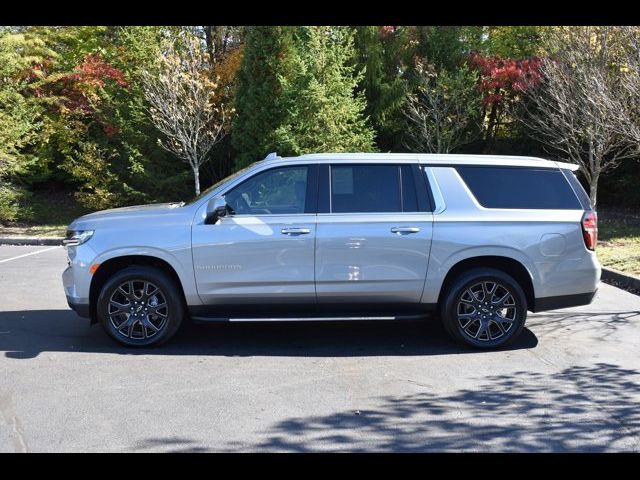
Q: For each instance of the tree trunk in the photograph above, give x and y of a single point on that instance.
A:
(491, 125)
(196, 179)
(208, 33)
(595, 163)
(593, 189)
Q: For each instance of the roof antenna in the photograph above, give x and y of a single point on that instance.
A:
(272, 156)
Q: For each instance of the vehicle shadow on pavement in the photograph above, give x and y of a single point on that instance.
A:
(581, 408)
(604, 324)
(25, 334)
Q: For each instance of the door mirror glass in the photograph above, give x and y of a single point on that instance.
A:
(217, 208)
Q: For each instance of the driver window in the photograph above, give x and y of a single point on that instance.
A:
(272, 192)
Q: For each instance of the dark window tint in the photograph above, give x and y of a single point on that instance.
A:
(365, 188)
(272, 192)
(577, 187)
(409, 197)
(500, 187)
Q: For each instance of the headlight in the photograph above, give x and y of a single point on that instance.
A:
(77, 237)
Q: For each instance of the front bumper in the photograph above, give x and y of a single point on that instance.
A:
(76, 279)
(82, 309)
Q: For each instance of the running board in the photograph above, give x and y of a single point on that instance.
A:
(199, 318)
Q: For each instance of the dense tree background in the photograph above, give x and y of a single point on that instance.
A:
(76, 132)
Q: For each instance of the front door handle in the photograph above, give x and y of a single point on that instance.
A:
(401, 230)
(295, 231)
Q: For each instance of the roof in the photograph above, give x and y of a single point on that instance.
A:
(432, 159)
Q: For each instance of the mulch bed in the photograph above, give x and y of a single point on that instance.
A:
(622, 286)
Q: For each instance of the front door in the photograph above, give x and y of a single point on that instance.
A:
(263, 252)
(373, 242)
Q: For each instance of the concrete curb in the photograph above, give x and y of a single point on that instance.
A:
(31, 240)
(623, 279)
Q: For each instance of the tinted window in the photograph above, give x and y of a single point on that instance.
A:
(578, 188)
(276, 191)
(409, 197)
(365, 188)
(500, 187)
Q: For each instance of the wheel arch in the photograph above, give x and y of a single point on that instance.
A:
(117, 263)
(507, 265)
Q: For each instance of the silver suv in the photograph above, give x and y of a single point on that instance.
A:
(481, 239)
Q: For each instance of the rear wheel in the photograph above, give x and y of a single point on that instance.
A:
(140, 306)
(484, 308)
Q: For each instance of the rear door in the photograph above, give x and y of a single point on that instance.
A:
(373, 235)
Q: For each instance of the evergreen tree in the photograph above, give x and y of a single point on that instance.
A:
(447, 47)
(259, 108)
(380, 56)
(324, 114)
(20, 113)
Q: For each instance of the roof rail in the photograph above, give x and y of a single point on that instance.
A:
(272, 156)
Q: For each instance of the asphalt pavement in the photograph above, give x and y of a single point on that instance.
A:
(571, 382)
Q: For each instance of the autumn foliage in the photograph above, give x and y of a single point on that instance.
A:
(505, 77)
(80, 87)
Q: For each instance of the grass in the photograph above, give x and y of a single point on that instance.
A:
(33, 231)
(619, 240)
(48, 212)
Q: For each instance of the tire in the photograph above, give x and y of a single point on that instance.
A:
(140, 320)
(466, 312)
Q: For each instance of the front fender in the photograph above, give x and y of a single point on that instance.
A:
(180, 260)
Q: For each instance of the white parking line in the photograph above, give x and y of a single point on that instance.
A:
(30, 253)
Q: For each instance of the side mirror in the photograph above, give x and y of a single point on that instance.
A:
(216, 208)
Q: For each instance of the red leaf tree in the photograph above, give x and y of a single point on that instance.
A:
(501, 82)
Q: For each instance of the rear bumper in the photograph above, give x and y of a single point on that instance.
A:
(562, 301)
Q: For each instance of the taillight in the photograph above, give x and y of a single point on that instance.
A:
(590, 229)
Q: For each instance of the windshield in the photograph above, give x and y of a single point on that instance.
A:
(217, 184)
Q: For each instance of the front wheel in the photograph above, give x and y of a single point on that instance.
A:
(140, 306)
(484, 308)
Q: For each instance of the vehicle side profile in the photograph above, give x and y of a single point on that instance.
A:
(478, 239)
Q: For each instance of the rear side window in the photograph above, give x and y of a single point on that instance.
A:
(365, 188)
(577, 187)
(526, 188)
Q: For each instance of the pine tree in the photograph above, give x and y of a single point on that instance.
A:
(259, 109)
(380, 56)
(324, 114)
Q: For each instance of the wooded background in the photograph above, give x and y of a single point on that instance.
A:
(93, 117)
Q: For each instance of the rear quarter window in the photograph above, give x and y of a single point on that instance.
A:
(578, 189)
(523, 188)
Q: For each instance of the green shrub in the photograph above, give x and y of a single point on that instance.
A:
(12, 202)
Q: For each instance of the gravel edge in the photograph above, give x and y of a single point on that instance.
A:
(31, 240)
(621, 280)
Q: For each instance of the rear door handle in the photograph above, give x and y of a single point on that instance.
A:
(295, 231)
(401, 230)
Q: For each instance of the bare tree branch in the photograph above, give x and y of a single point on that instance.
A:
(443, 114)
(183, 103)
(583, 108)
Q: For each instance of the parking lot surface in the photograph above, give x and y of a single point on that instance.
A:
(571, 382)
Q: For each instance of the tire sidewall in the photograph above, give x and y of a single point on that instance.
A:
(164, 283)
(449, 314)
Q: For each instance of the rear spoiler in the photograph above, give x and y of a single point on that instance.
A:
(570, 166)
